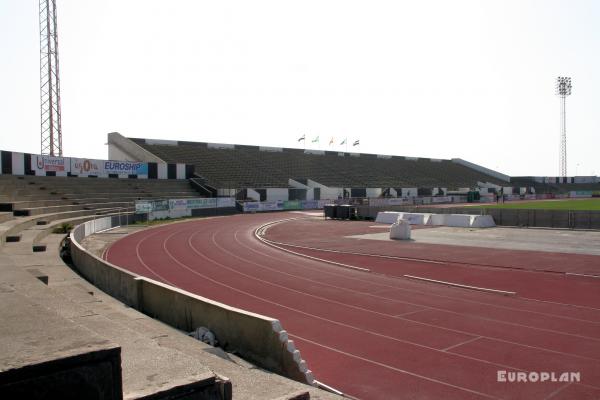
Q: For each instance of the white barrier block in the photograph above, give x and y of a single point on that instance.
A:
(482, 221)
(459, 220)
(417, 218)
(438, 219)
(400, 230)
(387, 217)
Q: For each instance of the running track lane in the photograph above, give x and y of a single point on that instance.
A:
(369, 335)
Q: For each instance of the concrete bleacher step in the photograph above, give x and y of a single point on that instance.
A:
(148, 369)
(112, 195)
(18, 224)
(70, 207)
(5, 216)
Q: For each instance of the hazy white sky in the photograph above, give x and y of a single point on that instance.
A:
(442, 79)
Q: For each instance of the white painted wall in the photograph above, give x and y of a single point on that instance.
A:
(409, 192)
(274, 194)
(253, 194)
(374, 192)
(161, 171)
(18, 164)
(180, 171)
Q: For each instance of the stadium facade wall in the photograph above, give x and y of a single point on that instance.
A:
(374, 192)
(274, 194)
(15, 163)
(252, 194)
(120, 148)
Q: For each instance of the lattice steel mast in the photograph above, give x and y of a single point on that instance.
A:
(563, 89)
(51, 132)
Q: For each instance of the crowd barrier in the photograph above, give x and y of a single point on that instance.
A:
(259, 339)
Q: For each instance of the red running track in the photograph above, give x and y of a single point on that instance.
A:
(374, 335)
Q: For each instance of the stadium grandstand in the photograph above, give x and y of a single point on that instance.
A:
(544, 185)
(241, 166)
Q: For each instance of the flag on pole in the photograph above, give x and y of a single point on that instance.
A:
(344, 141)
(302, 138)
(316, 140)
(331, 141)
(356, 143)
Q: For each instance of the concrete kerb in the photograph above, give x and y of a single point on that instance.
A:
(257, 338)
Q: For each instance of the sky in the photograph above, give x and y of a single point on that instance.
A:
(441, 79)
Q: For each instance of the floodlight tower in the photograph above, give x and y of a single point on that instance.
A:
(563, 89)
(51, 132)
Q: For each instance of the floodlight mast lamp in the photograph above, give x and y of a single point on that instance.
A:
(563, 89)
(51, 132)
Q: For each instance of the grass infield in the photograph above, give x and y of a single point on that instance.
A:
(566, 204)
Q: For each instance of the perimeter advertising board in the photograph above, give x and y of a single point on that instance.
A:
(581, 193)
(201, 202)
(292, 205)
(86, 167)
(146, 206)
(45, 164)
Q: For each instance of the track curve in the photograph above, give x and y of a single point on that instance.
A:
(373, 336)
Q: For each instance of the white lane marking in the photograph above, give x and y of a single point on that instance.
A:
(441, 310)
(584, 275)
(460, 285)
(386, 366)
(463, 343)
(140, 259)
(444, 296)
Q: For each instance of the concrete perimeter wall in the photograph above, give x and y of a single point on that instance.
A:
(259, 339)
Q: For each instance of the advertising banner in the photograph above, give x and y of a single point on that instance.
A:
(581, 193)
(271, 205)
(201, 202)
(441, 199)
(487, 198)
(511, 197)
(251, 206)
(47, 163)
(292, 205)
(125, 167)
(85, 167)
(225, 202)
(145, 206)
(310, 205)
